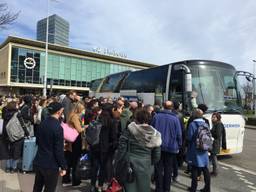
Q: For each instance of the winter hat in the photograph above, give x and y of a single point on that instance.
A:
(54, 107)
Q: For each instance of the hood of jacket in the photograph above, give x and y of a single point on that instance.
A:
(126, 113)
(145, 134)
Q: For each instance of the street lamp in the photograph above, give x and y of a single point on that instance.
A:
(46, 52)
(254, 79)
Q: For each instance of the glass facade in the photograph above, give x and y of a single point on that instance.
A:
(62, 70)
(58, 32)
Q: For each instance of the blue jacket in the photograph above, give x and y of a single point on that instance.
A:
(196, 157)
(50, 154)
(168, 124)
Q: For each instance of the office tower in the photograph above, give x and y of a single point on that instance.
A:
(58, 32)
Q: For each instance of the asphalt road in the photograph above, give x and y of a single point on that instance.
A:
(247, 158)
(237, 173)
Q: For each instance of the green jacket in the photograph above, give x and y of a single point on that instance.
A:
(142, 158)
(125, 118)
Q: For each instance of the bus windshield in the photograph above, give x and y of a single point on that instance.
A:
(215, 87)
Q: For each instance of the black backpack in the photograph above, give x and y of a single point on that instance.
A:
(93, 133)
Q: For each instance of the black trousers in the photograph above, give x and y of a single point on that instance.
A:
(101, 167)
(164, 169)
(46, 178)
(207, 178)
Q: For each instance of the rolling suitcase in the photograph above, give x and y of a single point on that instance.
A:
(1, 126)
(29, 153)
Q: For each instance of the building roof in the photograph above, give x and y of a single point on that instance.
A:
(65, 49)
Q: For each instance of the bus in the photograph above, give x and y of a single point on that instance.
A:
(210, 82)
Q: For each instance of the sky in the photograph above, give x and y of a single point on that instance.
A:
(156, 32)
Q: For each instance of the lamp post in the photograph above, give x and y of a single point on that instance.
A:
(253, 94)
(46, 52)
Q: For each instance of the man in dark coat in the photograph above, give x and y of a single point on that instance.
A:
(50, 155)
(168, 124)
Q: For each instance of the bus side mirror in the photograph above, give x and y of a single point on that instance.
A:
(188, 82)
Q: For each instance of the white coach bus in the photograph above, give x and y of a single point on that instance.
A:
(210, 82)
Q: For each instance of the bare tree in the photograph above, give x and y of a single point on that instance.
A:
(248, 91)
(6, 16)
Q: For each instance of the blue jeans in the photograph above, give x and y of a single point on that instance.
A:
(11, 164)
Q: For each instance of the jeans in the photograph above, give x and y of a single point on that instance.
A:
(11, 164)
(214, 163)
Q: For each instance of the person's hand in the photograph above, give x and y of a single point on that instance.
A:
(62, 173)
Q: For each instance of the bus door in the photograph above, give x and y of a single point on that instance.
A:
(176, 86)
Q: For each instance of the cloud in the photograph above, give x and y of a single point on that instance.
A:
(157, 32)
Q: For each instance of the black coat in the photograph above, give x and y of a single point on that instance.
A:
(219, 134)
(50, 154)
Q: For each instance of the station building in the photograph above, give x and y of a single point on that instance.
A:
(22, 67)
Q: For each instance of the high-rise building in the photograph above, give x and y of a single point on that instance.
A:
(58, 32)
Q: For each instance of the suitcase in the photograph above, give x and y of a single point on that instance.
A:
(83, 170)
(1, 126)
(29, 153)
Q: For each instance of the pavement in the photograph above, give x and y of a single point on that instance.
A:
(241, 181)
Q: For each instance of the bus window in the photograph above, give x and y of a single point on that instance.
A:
(176, 85)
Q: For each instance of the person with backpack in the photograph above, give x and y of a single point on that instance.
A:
(218, 133)
(199, 138)
(10, 151)
(102, 152)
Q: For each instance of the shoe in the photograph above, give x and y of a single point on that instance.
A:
(7, 170)
(77, 183)
(203, 190)
(66, 181)
(14, 171)
(93, 189)
(175, 179)
(187, 172)
(214, 174)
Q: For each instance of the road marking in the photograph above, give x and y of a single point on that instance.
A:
(238, 168)
(238, 172)
(248, 182)
(240, 175)
(251, 187)
(225, 168)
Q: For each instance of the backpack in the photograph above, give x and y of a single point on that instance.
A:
(204, 139)
(15, 128)
(93, 133)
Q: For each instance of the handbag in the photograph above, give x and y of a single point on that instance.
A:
(70, 133)
(124, 170)
(114, 186)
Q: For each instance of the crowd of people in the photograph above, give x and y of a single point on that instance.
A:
(155, 140)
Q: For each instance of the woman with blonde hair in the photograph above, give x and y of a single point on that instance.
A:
(74, 150)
